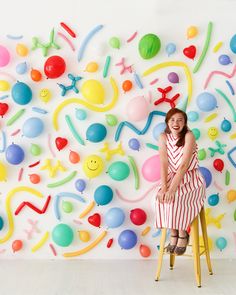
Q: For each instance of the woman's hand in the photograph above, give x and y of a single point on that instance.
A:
(170, 196)
(161, 194)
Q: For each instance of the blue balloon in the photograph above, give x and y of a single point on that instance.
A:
(15, 154)
(206, 102)
(170, 48)
(224, 59)
(233, 44)
(80, 114)
(33, 127)
(134, 144)
(103, 195)
(206, 173)
(127, 239)
(226, 125)
(96, 132)
(221, 243)
(158, 129)
(193, 116)
(21, 68)
(114, 217)
(1, 223)
(80, 185)
(213, 200)
(21, 93)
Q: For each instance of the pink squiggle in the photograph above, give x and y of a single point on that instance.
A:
(49, 146)
(77, 221)
(154, 81)
(138, 199)
(15, 132)
(20, 174)
(218, 187)
(132, 37)
(53, 249)
(67, 40)
(219, 73)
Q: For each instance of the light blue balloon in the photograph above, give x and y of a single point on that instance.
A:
(193, 116)
(33, 127)
(170, 48)
(96, 132)
(103, 195)
(21, 93)
(221, 243)
(206, 101)
(158, 129)
(114, 217)
(80, 114)
(127, 239)
(224, 59)
(233, 44)
(21, 68)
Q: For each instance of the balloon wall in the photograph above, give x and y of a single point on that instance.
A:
(82, 103)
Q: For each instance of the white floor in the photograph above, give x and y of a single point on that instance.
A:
(109, 277)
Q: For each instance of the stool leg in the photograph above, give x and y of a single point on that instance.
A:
(196, 254)
(161, 253)
(205, 239)
(172, 261)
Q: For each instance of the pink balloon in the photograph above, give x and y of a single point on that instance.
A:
(137, 109)
(151, 169)
(4, 56)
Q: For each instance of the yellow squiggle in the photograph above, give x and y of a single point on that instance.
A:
(86, 104)
(10, 195)
(87, 209)
(41, 242)
(174, 64)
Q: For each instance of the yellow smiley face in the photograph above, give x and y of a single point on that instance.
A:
(93, 166)
(213, 132)
(45, 95)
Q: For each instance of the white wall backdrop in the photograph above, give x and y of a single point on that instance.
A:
(24, 233)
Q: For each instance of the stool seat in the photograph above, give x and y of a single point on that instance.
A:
(196, 249)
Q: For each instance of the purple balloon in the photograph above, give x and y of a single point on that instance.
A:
(173, 77)
(134, 144)
(224, 59)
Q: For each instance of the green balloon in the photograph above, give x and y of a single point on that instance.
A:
(114, 42)
(149, 46)
(35, 149)
(201, 154)
(118, 170)
(111, 120)
(62, 235)
(67, 207)
(196, 133)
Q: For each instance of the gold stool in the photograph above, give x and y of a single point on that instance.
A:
(195, 245)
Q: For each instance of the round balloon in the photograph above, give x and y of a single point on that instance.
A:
(134, 144)
(96, 132)
(137, 109)
(149, 46)
(193, 116)
(202, 154)
(81, 114)
(33, 127)
(21, 93)
(80, 185)
(158, 129)
(21, 68)
(111, 120)
(206, 102)
(213, 200)
(221, 243)
(151, 169)
(118, 170)
(173, 77)
(67, 207)
(224, 59)
(114, 217)
(226, 125)
(103, 195)
(62, 235)
(170, 48)
(144, 250)
(138, 216)
(14, 154)
(218, 164)
(93, 166)
(4, 56)
(54, 67)
(233, 43)
(127, 239)
(206, 173)
(196, 132)
(1, 223)
(93, 91)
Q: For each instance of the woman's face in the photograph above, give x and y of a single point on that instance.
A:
(176, 124)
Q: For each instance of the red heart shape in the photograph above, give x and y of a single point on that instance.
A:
(3, 108)
(190, 51)
(95, 219)
(61, 142)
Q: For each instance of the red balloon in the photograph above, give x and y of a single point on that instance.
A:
(218, 164)
(144, 250)
(61, 143)
(127, 85)
(95, 219)
(3, 108)
(190, 51)
(54, 66)
(138, 216)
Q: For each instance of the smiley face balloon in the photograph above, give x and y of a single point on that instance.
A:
(45, 95)
(93, 166)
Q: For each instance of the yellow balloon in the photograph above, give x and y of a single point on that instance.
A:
(21, 49)
(213, 133)
(84, 235)
(45, 95)
(3, 172)
(91, 67)
(231, 195)
(93, 91)
(93, 166)
(4, 85)
(192, 32)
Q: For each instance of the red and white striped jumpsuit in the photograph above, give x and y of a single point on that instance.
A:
(190, 194)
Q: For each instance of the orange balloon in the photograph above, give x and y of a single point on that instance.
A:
(144, 250)
(35, 75)
(74, 157)
(34, 178)
(127, 85)
(17, 245)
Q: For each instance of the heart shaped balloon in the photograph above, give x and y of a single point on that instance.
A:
(3, 108)
(190, 51)
(95, 219)
(61, 143)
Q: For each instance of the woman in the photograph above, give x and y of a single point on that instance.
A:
(182, 190)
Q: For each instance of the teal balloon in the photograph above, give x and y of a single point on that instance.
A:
(1, 223)
(114, 217)
(221, 243)
(233, 44)
(196, 133)
(103, 195)
(96, 132)
(225, 125)
(33, 127)
(21, 93)
(80, 114)
(213, 200)
(118, 170)
(193, 116)
(62, 235)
